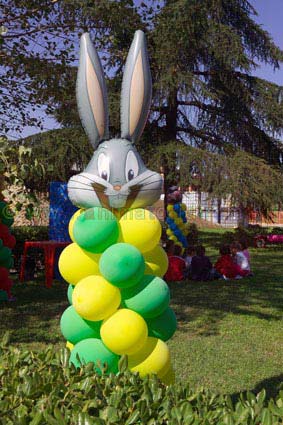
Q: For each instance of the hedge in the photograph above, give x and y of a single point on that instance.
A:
(40, 388)
(27, 233)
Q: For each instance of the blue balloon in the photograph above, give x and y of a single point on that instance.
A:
(177, 208)
(173, 226)
(185, 220)
(169, 220)
(178, 233)
(183, 214)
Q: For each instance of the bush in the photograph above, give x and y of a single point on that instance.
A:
(277, 230)
(243, 233)
(40, 388)
(193, 234)
(27, 233)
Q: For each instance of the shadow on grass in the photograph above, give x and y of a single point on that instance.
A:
(271, 385)
(209, 302)
(35, 315)
(202, 305)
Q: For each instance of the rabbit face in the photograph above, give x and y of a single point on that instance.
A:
(116, 177)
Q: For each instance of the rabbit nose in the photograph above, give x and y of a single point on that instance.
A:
(117, 187)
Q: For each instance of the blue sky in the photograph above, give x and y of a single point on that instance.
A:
(270, 16)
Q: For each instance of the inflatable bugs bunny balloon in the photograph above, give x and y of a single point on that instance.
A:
(116, 176)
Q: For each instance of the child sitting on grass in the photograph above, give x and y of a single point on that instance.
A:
(176, 265)
(226, 266)
(239, 257)
(201, 267)
(189, 254)
(245, 250)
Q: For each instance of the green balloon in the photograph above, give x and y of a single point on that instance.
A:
(5, 255)
(150, 297)
(70, 293)
(163, 326)
(74, 328)
(7, 221)
(93, 350)
(122, 265)
(3, 295)
(96, 229)
(6, 216)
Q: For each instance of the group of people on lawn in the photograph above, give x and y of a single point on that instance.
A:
(233, 263)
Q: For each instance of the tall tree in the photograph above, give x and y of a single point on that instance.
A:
(37, 47)
(202, 54)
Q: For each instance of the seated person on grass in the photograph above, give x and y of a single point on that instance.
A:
(201, 267)
(239, 257)
(190, 252)
(226, 266)
(176, 265)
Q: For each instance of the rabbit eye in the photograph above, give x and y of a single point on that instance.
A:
(131, 174)
(103, 165)
(104, 175)
(132, 166)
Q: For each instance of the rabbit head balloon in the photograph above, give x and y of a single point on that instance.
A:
(116, 176)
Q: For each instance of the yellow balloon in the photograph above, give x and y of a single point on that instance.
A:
(72, 222)
(178, 221)
(154, 357)
(156, 261)
(76, 263)
(140, 228)
(169, 377)
(173, 214)
(184, 207)
(170, 207)
(69, 345)
(173, 238)
(125, 332)
(95, 299)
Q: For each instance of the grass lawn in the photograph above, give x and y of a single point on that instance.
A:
(230, 334)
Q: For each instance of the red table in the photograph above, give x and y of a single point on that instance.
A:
(49, 248)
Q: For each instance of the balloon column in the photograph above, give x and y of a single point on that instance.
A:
(176, 218)
(119, 301)
(7, 243)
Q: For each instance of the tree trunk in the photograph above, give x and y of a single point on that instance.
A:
(243, 216)
(172, 116)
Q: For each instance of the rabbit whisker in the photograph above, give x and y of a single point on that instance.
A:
(145, 178)
(87, 178)
(81, 183)
(149, 183)
(90, 190)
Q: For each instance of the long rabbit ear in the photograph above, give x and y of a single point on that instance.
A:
(91, 93)
(136, 89)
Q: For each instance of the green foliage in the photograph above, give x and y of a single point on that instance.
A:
(40, 387)
(27, 233)
(246, 181)
(248, 234)
(33, 61)
(242, 233)
(193, 234)
(60, 153)
(37, 160)
(202, 57)
(16, 164)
